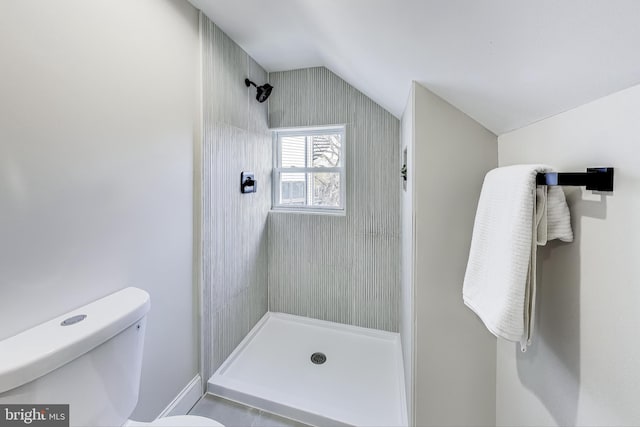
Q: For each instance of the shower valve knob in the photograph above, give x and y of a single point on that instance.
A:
(248, 184)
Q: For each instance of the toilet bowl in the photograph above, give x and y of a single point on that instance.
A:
(89, 359)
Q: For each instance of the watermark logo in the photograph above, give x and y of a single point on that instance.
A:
(34, 415)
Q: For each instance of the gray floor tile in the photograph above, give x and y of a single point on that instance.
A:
(224, 411)
(233, 414)
(265, 419)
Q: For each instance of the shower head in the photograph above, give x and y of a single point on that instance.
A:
(263, 91)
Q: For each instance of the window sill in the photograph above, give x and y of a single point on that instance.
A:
(325, 212)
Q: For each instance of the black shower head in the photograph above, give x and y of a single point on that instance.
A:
(263, 91)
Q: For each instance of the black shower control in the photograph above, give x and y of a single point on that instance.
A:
(247, 183)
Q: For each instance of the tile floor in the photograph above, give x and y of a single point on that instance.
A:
(232, 414)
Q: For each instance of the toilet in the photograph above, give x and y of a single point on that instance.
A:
(90, 359)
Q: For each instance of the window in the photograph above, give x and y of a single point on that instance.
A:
(308, 172)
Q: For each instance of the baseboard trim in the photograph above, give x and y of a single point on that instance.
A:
(185, 400)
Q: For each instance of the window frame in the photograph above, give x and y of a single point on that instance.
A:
(276, 170)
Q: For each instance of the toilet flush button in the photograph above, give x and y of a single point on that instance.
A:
(73, 320)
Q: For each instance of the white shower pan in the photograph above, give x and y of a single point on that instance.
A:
(361, 383)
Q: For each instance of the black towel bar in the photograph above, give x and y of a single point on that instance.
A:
(596, 179)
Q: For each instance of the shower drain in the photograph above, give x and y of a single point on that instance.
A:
(318, 358)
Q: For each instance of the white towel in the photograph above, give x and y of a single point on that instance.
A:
(513, 217)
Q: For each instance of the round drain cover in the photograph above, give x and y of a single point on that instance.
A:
(318, 358)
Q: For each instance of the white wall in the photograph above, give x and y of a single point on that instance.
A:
(97, 125)
(454, 355)
(583, 366)
(406, 309)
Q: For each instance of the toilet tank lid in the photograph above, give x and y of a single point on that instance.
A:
(37, 351)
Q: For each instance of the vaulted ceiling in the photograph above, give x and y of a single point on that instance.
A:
(505, 63)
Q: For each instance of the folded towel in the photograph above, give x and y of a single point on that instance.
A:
(512, 218)
(558, 216)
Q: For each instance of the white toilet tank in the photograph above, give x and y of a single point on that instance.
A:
(92, 363)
